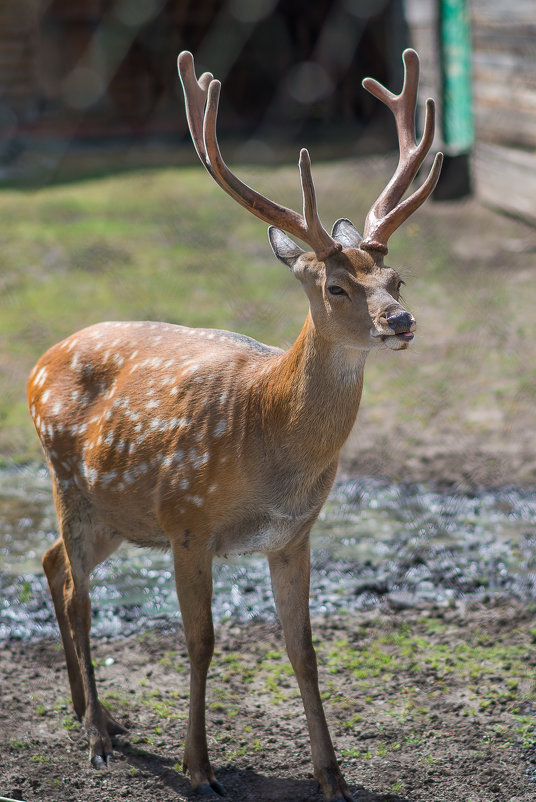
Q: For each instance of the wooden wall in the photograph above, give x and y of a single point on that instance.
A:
(504, 80)
(105, 70)
(423, 21)
(17, 59)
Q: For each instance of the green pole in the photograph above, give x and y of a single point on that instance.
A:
(458, 128)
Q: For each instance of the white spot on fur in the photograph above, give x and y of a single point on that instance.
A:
(200, 461)
(40, 378)
(190, 368)
(220, 428)
(107, 478)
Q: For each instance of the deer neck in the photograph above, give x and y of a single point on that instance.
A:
(310, 397)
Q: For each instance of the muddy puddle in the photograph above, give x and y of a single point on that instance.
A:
(376, 543)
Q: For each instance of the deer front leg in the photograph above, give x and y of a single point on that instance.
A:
(193, 576)
(290, 572)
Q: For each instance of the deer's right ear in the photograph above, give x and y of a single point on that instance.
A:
(346, 233)
(284, 248)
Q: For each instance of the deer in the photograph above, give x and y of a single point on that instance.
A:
(206, 442)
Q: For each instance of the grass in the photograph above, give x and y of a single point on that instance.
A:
(167, 245)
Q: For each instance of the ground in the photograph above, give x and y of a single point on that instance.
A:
(434, 705)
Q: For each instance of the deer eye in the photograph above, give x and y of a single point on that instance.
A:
(335, 290)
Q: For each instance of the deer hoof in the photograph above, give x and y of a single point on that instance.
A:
(102, 762)
(100, 749)
(212, 789)
(333, 786)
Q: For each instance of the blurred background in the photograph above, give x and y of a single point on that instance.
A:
(97, 79)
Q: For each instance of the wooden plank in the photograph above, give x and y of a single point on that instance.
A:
(504, 72)
(500, 12)
(505, 178)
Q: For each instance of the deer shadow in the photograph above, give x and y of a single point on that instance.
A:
(240, 784)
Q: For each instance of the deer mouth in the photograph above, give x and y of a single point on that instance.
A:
(392, 336)
(397, 341)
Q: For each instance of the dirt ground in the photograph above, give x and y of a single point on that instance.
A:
(425, 717)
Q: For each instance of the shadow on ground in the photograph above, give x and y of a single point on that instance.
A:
(240, 786)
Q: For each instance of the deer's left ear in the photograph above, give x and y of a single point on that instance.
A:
(346, 233)
(284, 248)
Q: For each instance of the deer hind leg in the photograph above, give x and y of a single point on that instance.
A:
(290, 571)
(68, 564)
(193, 576)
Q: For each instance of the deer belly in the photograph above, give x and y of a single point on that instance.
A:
(258, 534)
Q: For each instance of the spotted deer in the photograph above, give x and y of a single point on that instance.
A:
(209, 443)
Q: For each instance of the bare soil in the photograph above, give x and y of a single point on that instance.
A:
(418, 732)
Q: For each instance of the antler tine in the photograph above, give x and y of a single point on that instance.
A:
(394, 219)
(202, 123)
(387, 213)
(402, 105)
(326, 244)
(195, 95)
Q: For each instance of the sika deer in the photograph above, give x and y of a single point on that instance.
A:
(207, 442)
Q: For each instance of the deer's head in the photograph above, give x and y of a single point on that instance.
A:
(353, 295)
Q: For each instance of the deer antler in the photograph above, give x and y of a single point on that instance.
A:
(388, 212)
(201, 99)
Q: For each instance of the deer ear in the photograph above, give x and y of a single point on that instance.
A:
(284, 248)
(346, 233)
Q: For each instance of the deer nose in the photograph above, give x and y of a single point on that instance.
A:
(400, 322)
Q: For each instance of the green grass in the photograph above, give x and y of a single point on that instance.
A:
(166, 244)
